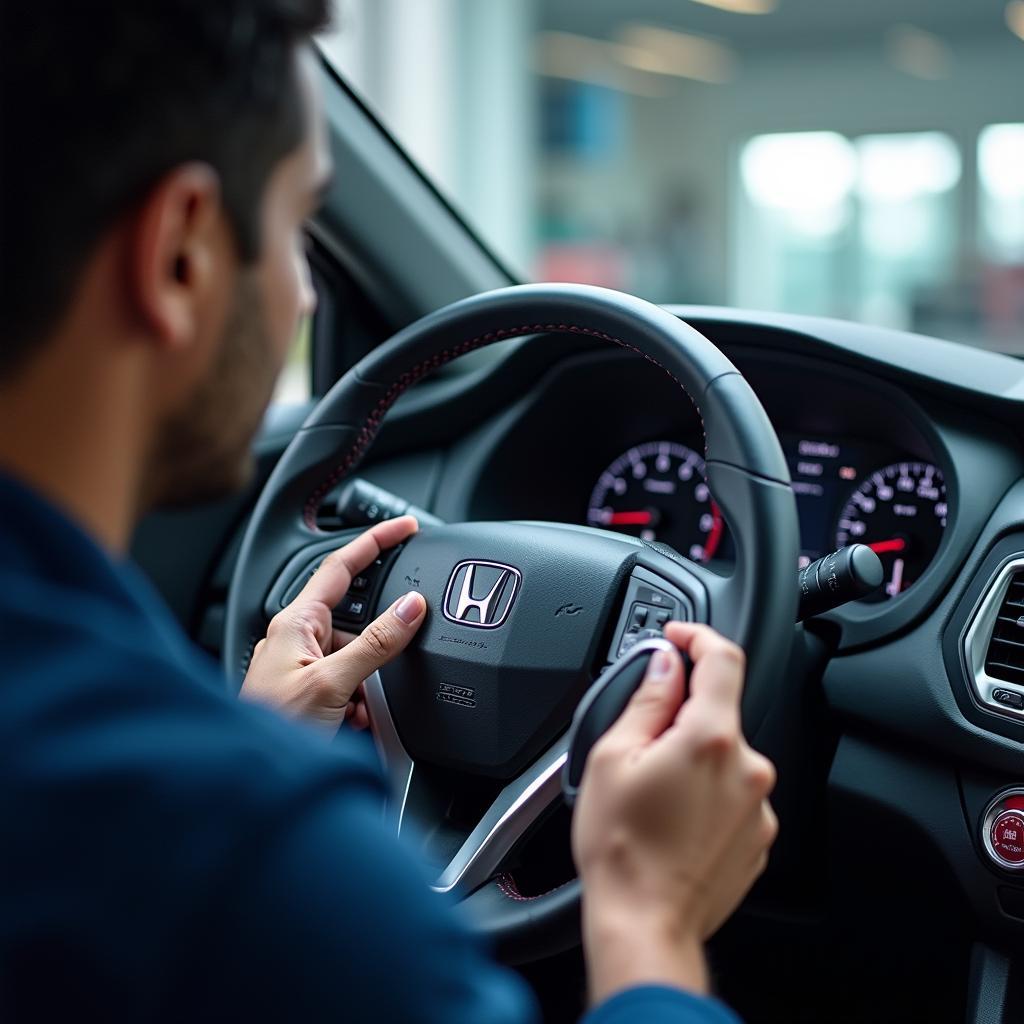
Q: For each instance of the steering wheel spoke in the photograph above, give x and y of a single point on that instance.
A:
(518, 806)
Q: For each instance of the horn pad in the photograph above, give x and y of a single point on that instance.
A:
(515, 632)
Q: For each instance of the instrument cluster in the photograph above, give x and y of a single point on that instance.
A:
(847, 492)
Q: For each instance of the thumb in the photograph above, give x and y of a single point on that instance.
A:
(383, 639)
(652, 709)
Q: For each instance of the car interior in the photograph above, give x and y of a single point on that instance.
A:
(541, 431)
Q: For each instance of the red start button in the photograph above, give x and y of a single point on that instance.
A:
(1008, 836)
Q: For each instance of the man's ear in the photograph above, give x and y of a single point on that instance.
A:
(174, 253)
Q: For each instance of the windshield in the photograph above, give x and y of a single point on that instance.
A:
(855, 159)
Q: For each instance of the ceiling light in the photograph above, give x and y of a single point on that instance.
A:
(662, 51)
(1015, 17)
(741, 6)
(918, 53)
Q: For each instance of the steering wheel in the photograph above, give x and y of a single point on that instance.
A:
(522, 615)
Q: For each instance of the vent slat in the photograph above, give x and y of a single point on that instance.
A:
(1005, 656)
(1003, 640)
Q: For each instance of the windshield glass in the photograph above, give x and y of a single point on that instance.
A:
(855, 159)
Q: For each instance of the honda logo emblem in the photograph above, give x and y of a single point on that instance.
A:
(480, 594)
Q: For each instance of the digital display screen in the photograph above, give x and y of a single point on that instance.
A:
(824, 473)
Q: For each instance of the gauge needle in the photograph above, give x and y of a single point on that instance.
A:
(881, 547)
(643, 518)
(895, 585)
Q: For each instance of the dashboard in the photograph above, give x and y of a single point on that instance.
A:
(866, 464)
(888, 748)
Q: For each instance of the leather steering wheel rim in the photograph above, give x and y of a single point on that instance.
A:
(746, 471)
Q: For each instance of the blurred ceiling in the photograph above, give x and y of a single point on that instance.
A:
(792, 25)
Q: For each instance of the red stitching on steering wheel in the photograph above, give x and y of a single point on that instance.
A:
(372, 424)
(507, 884)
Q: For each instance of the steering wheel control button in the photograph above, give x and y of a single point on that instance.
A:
(1008, 698)
(351, 609)
(359, 584)
(1008, 837)
(658, 598)
(649, 604)
(629, 641)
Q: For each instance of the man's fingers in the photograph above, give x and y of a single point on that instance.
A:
(719, 665)
(652, 708)
(383, 639)
(331, 581)
(357, 715)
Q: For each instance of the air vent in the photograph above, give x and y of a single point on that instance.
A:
(993, 645)
(1005, 657)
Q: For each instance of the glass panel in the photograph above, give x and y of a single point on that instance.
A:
(907, 231)
(1001, 189)
(294, 385)
(790, 154)
(795, 216)
(1001, 233)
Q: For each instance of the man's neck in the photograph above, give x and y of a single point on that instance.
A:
(69, 430)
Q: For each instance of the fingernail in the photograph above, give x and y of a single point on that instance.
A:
(660, 668)
(410, 607)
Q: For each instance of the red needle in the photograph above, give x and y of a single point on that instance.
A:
(715, 536)
(881, 547)
(630, 519)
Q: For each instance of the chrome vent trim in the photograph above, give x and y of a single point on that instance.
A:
(984, 623)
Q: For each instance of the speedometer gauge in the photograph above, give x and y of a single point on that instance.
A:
(900, 513)
(657, 491)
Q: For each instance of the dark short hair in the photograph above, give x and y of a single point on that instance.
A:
(101, 98)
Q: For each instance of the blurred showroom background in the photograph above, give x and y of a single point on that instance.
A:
(853, 158)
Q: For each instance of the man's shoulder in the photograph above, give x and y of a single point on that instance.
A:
(94, 701)
(146, 801)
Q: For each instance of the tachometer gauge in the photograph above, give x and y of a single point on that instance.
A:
(657, 491)
(900, 513)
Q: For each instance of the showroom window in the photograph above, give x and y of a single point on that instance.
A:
(1001, 192)
(866, 227)
(693, 153)
(1001, 231)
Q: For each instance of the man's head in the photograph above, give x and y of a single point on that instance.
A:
(159, 160)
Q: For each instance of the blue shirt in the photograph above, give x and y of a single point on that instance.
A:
(170, 853)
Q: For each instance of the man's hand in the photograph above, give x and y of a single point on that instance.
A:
(304, 666)
(672, 825)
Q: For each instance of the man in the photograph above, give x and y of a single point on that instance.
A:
(169, 852)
